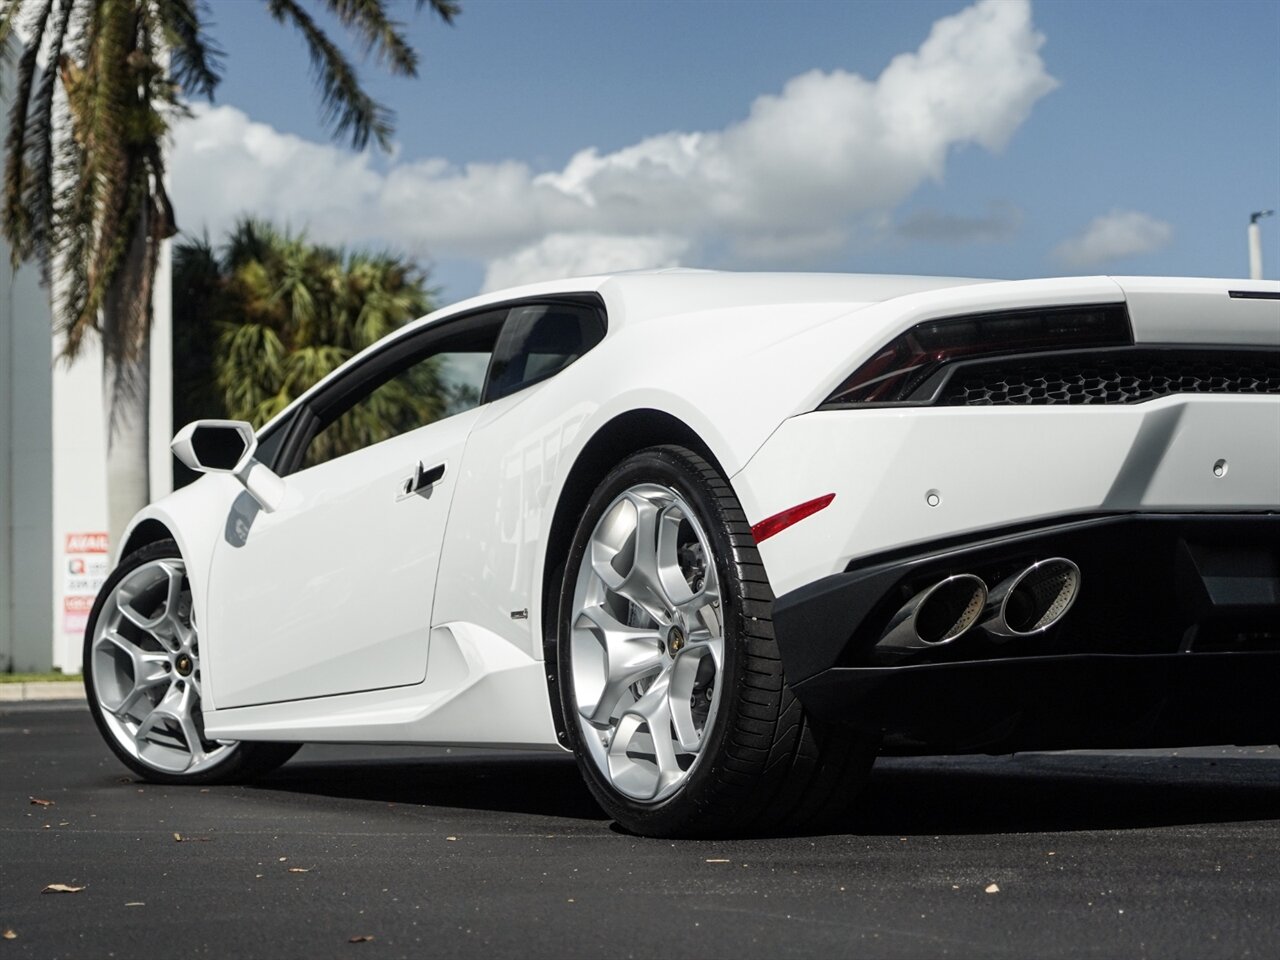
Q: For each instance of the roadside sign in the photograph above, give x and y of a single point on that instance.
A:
(85, 559)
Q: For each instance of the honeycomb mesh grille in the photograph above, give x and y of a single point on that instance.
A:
(1131, 378)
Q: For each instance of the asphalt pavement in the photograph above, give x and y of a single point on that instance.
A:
(471, 854)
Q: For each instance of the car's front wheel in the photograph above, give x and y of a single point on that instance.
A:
(143, 678)
(671, 686)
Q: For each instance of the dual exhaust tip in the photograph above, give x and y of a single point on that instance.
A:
(1026, 604)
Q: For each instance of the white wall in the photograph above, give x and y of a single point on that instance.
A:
(79, 498)
(79, 483)
(25, 470)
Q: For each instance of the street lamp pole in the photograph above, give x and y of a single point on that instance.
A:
(1255, 243)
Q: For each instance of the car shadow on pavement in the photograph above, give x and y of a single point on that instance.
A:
(536, 784)
(1025, 793)
(1032, 793)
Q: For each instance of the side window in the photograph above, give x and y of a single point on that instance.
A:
(541, 340)
(405, 387)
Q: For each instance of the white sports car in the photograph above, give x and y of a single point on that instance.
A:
(728, 536)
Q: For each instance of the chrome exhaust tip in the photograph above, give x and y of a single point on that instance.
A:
(1034, 600)
(936, 615)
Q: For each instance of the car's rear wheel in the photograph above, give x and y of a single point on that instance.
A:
(671, 685)
(143, 679)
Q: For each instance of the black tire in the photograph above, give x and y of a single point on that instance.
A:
(242, 761)
(765, 765)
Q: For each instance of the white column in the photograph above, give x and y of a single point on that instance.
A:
(79, 498)
(6, 463)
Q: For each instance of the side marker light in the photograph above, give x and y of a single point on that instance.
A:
(780, 521)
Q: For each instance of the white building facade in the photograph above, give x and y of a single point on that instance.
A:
(54, 542)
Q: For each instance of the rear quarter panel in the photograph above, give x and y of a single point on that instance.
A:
(704, 369)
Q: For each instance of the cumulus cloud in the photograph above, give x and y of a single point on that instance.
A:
(1118, 234)
(790, 181)
(582, 254)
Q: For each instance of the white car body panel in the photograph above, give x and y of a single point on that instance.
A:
(742, 361)
(1192, 310)
(185, 515)
(994, 466)
(351, 622)
(470, 671)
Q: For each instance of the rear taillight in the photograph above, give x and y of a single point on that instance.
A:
(911, 361)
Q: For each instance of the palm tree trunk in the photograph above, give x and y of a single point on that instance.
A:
(126, 376)
(126, 402)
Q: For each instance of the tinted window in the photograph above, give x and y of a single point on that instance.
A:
(409, 385)
(541, 340)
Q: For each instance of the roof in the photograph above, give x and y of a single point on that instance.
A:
(641, 294)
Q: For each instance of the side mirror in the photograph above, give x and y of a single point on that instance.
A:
(228, 446)
(215, 446)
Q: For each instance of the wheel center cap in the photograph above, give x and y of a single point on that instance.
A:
(675, 640)
(183, 665)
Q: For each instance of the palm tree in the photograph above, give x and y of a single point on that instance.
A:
(286, 313)
(84, 192)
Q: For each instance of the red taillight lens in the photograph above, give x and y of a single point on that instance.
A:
(912, 359)
(780, 521)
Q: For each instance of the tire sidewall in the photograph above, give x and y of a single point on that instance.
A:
(672, 467)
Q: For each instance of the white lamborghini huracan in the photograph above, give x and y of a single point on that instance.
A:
(726, 537)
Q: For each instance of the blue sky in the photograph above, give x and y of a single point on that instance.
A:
(1122, 137)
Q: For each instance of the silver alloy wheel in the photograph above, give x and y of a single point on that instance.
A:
(647, 642)
(146, 671)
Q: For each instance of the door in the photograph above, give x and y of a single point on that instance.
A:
(332, 592)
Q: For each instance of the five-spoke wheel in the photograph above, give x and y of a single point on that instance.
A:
(146, 666)
(143, 676)
(648, 644)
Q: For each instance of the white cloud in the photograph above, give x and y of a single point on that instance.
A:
(791, 181)
(580, 255)
(1118, 234)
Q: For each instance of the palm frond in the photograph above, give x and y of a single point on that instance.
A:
(345, 106)
(39, 188)
(16, 218)
(100, 105)
(250, 368)
(445, 9)
(379, 33)
(196, 59)
(9, 10)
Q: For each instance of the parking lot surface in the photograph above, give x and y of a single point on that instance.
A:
(359, 852)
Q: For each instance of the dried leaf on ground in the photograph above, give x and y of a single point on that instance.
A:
(36, 801)
(9, 935)
(61, 888)
(993, 888)
(362, 938)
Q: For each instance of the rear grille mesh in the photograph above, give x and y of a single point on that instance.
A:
(1129, 378)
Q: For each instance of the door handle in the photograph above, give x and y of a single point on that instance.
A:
(421, 482)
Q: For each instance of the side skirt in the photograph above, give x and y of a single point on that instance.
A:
(479, 691)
